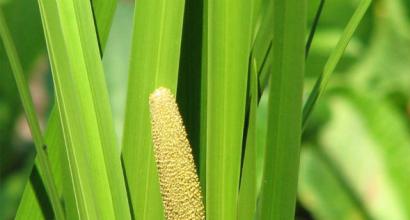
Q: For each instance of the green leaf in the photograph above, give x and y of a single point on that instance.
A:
(322, 192)
(262, 45)
(228, 41)
(383, 68)
(367, 127)
(103, 14)
(334, 59)
(189, 80)
(43, 160)
(314, 26)
(57, 154)
(94, 159)
(116, 61)
(203, 103)
(388, 128)
(34, 204)
(154, 62)
(248, 193)
(278, 196)
(31, 51)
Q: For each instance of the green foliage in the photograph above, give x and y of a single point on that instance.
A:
(154, 63)
(34, 204)
(28, 51)
(95, 170)
(237, 69)
(374, 186)
(365, 135)
(278, 195)
(43, 162)
(228, 45)
(334, 58)
(248, 191)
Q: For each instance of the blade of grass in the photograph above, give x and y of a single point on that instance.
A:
(33, 205)
(278, 197)
(229, 30)
(103, 11)
(258, 7)
(247, 198)
(314, 26)
(263, 43)
(86, 120)
(29, 199)
(43, 160)
(154, 62)
(334, 59)
(203, 103)
(189, 80)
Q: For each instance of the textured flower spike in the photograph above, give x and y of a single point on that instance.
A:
(180, 189)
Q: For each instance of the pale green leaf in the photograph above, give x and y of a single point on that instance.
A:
(228, 41)
(334, 59)
(278, 195)
(360, 127)
(248, 193)
(154, 62)
(55, 146)
(87, 124)
(44, 164)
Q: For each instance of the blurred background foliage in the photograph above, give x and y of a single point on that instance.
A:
(355, 160)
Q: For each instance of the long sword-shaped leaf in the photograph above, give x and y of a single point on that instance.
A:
(334, 59)
(262, 57)
(30, 205)
(83, 104)
(247, 198)
(154, 63)
(189, 80)
(103, 13)
(229, 28)
(278, 196)
(314, 26)
(44, 164)
(262, 44)
(34, 204)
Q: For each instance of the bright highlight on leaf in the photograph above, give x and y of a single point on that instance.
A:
(179, 183)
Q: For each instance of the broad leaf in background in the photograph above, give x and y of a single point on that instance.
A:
(321, 192)
(380, 127)
(154, 63)
(360, 128)
(384, 69)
